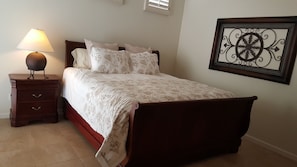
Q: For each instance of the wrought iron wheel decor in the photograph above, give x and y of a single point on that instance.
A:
(258, 47)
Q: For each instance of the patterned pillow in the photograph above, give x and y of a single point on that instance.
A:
(81, 58)
(136, 49)
(90, 44)
(109, 61)
(144, 63)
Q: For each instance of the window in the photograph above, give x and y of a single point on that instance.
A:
(157, 6)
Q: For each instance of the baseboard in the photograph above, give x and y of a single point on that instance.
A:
(271, 147)
(4, 115)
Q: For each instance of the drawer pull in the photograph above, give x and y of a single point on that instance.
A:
(36, 108)
(37, 96)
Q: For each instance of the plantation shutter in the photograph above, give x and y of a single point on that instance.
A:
(157, 6)
(162, 4)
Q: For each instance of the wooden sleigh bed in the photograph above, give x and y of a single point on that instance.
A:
(174, 133)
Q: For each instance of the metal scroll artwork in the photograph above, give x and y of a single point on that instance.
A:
(258, 47)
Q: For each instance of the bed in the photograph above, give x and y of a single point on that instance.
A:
(173, 133)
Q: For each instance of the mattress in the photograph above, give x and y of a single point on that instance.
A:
(105, 100)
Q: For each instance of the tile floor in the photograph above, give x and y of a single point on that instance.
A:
(60, 145)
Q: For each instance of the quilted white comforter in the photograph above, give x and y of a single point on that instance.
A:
(105, 100)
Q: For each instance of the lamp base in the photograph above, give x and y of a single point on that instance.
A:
(36, 61)
(31, 76)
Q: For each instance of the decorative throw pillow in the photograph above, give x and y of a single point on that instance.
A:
(81, 58)
(136, 49)
(144, 63)
(89, 44)
(109, 61)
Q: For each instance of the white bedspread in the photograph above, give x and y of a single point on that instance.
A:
(105, 100)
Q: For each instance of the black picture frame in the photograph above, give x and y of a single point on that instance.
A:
(260, 47)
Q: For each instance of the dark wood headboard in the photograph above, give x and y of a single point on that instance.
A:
(71, 45)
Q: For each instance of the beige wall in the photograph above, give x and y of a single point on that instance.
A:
(274, 115)
(102, 20)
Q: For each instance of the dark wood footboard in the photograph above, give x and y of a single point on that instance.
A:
(173, 133)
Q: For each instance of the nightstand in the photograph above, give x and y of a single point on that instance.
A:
(33, 99)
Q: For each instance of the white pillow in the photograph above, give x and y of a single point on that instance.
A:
(81, 58)
(136, 49)
(144, 63)
(89, 44)
(109, 61)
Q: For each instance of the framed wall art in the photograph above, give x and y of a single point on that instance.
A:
(261, 47)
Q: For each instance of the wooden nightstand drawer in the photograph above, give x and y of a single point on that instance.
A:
(36, 95)
(36, 108)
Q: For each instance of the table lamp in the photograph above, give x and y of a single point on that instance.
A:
(37, 41)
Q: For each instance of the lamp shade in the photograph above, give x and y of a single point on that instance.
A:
(36, 40)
